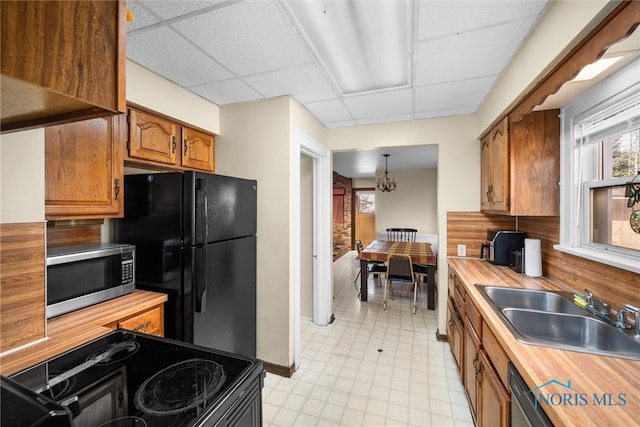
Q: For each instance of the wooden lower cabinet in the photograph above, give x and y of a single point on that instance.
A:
(471, 379)
(494, 399)
(149, 322)
(456, 340)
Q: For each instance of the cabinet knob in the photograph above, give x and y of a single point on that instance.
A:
(186, 147)
(117, 187)
(173, 143)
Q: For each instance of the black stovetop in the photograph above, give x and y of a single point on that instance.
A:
(163, 382)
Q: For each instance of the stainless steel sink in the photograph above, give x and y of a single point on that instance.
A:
(530, 299)
(552, 320)
(571, 332)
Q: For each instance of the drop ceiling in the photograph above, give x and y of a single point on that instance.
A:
(245, 50)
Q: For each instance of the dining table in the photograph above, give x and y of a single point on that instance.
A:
(420, 253)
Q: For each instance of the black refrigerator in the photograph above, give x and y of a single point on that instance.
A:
(195, 237)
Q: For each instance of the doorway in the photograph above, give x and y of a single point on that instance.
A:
(364, 215)
(321, 262)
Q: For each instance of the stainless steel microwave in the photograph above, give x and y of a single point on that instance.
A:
(82, 275)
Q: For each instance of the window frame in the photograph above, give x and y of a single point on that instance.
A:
(574, 195)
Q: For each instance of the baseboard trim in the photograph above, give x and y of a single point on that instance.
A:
(280, 370)
(441, 337)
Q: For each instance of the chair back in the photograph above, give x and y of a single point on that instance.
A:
(401, 234)
(359, 246)
(399, 267)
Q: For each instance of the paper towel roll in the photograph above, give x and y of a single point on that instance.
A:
(532, 258)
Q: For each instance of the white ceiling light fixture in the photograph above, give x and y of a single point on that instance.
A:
(592, 70)
(365, 45)
(386, 184)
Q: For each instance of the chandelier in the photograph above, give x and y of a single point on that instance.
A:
(385, 183)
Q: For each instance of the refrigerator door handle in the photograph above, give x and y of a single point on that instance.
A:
(201, 279)
(202, 213)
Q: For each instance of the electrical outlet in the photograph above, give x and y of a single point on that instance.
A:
(462, 250)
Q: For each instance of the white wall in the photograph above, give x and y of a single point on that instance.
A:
(413, 205)
(159, 94)
(458, 168)
(22, 177)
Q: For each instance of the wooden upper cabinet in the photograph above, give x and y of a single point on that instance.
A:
(162, 142)
(152, 138)
(61, 61)
(535, 160)
(84, 169)
(494, 167)
(198, 151)
(520, 166)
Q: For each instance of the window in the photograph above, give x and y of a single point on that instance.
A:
(600, 156)
(366, 202)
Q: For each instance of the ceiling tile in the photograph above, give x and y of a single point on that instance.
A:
(227, 92)
(380, 104)
(172, 9)
(248, 37)
(163, 50)
(461, 94)
(329, 111)
(306, 83)
(479, 53)
(438, 18)
(141, 16)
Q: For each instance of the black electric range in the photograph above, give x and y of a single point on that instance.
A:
(133, 379)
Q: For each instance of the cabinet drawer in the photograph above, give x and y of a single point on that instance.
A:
(474, 317)
(149, 322)
(459, 297)
(498, 357)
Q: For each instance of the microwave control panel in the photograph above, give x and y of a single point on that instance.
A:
(128, 271)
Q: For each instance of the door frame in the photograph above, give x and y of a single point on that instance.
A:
(322, 236)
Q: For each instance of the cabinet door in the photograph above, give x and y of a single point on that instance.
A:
(198, 150)
(485, 179)
(84, 169)
(61, 61)
(471, 366)
(152, 138)
(494, 400)
(499, 167)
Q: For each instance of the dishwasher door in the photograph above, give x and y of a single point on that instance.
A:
(524, 411)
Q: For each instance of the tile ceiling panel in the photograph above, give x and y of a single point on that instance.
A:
(174, 8)
(165, 51)
(248, 37)
(380, 104)
(330, 111)
(462, 94)
(479, 53)
(143, 18)
(227, 92)
(439, 18)
(305, 81)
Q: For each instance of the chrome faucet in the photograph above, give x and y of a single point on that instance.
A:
(634, 310)
(621, 318)
(595, 307)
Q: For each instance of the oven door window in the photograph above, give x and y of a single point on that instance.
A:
(67, 281)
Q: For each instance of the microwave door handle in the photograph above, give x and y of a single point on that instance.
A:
(201, 278)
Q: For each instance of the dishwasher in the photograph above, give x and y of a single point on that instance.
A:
(524, 411)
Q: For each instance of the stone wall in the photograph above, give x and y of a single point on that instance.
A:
(342, 231)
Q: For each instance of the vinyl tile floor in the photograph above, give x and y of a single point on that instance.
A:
(370, 367)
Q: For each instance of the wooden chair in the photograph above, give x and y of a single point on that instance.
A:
(401, 234)
(400, 269)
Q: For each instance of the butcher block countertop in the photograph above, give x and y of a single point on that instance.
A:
(78, 327)
(591, 376)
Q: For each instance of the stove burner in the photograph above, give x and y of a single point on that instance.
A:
(179, 387)
(125, 422)
(113, 353)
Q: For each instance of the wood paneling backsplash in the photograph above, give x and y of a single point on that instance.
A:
(22, 296)
(612, 285)
(65, 236)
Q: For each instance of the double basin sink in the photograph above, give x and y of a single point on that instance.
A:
(550, 319)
